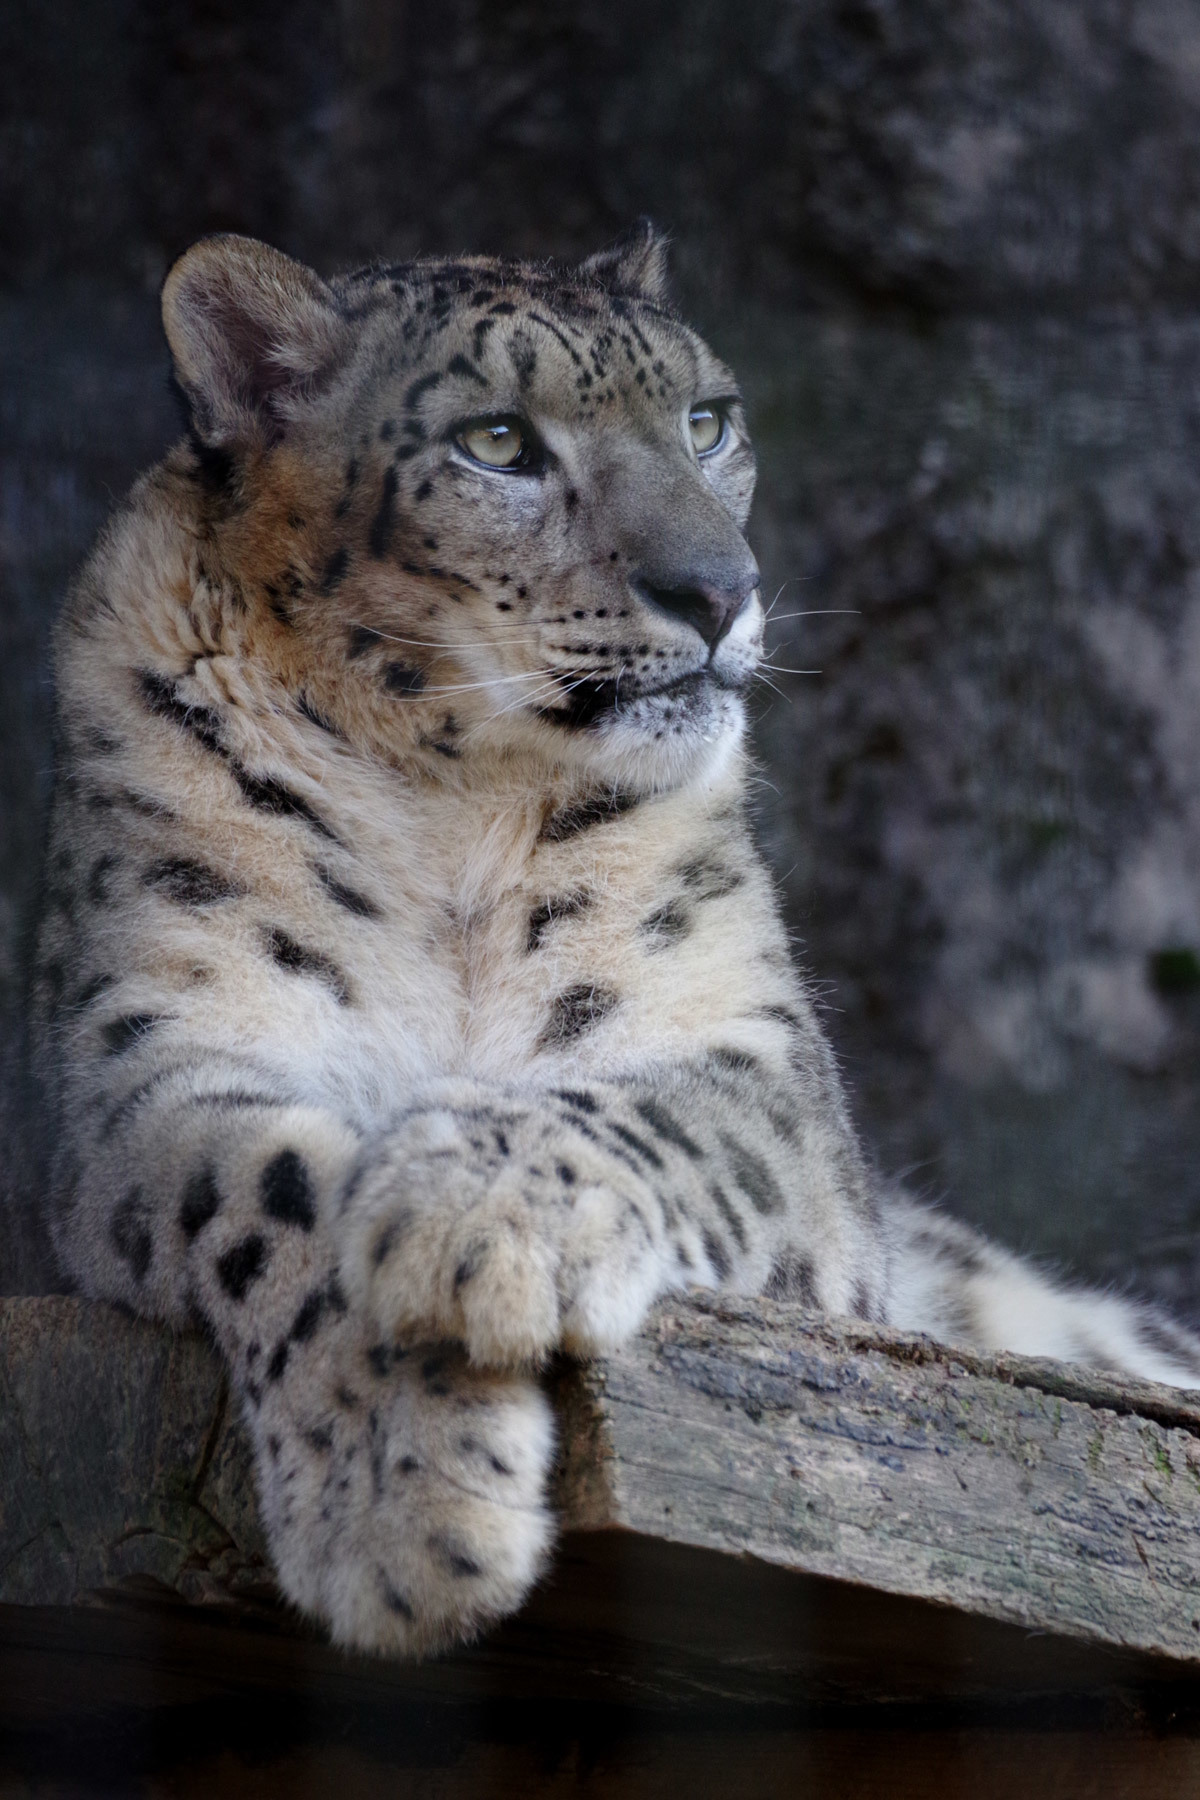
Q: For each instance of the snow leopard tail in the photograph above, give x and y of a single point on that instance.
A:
(957, 1286)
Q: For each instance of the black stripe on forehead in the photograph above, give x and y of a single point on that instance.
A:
(568, 346)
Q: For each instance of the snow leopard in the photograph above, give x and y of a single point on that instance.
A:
(412, 1004)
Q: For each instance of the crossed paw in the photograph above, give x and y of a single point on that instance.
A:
(505, 1229)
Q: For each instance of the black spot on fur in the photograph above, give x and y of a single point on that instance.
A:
(444, 745)
(278, 1361)
(129, 1234)
(472, 1261)
(1169, 1341)
(453, 1555)
(668, 1129)
(297, 959)
(320, 1437)
(784, 1014)
(335, 570)
(707, 878)
(384, 1244)
(97, 886)
(99, 984)
(309, 1315)
(401, 678)
(753, 1177)
(393, 1599)
(420, 386)
(286, 1191)
(717, 1255)
(860, 1302)
(347, 897)
(434, 1371)
(142, 804)
(120, 1034)
(585, 1103)
(200, 722)
(554, 331)
(793, 1278)
(635, 1143)
(729, 1213)
(581, 815)
(272, 796)
(314, 717)
(563, 906)
(242, 1265)
(362, 639)
(280, 609)
(458, 365)
(189, 883)
(576, 1010)
(201, 1202)
(739, 1061)
(239, 1098)
(384, 521)
(948, 1251)
(666, 925)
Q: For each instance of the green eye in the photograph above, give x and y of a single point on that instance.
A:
(707, 427)
(497, 443)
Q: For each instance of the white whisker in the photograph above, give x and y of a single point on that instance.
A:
(466, 687)
(430, 643)
(818, 612)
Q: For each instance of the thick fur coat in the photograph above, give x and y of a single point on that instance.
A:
(412, 1002)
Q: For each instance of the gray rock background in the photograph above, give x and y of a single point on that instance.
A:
(954, 253)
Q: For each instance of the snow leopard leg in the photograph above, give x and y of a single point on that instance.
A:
(952, 1283)
(518, 1221)
(402, 1493)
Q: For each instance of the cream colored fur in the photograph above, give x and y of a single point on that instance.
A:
(412, 1001)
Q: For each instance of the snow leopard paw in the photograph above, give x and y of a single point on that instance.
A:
(404, 1498)
(512, 1235)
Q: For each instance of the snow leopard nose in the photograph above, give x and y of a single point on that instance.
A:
(708, 601)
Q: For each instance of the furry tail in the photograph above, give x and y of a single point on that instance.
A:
(949, 1281)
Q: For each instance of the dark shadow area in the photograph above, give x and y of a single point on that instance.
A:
(638, 1669)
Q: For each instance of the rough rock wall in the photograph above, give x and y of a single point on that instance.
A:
(954, 253)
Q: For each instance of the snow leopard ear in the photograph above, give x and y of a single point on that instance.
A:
(253, 335)
(636, 264)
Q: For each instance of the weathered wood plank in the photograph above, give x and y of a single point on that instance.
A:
(1008, 1490)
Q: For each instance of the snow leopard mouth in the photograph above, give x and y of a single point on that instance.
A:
(588, 703)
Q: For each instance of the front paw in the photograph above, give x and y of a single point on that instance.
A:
(407, 1512)
(515, 1254)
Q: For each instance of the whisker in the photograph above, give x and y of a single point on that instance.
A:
(550, 684)
(792, 581)
(430, 643)
(466, 687)
(818, 612)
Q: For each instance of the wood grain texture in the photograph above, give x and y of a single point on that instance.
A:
(1036, 1493)
(1028, 1493)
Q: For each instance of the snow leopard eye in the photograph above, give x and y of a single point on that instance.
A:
(706, 424)
(498, 443)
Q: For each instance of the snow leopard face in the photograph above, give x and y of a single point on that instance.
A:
(510, 496)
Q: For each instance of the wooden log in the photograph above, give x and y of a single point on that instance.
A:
(1008, 1490)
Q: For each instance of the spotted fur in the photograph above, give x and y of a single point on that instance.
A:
(412, 1002)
